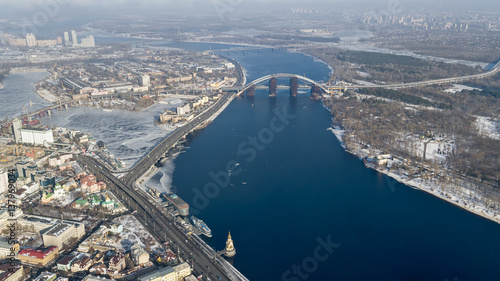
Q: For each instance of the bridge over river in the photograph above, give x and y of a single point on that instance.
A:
(155, 154)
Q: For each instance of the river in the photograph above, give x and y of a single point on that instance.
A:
(300, 187)
(18, 91)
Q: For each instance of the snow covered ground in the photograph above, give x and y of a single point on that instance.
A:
(437, 149)
(457, 88)
(489, 127)
(339, 133)
(134, 232)
(434, 188)
(364, 83)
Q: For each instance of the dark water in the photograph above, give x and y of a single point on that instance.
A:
(300, 187)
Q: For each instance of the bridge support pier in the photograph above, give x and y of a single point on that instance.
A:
(273, 86)
(250, 92)
(315, 92)
(294, 86)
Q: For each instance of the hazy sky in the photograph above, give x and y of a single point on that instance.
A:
(186, 4)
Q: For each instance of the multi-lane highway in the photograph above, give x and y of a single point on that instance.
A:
(163, 226)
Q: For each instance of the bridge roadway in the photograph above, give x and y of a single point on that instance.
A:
(163, 225)
(50, 107)
(248, 48)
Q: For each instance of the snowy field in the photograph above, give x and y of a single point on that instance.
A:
(133, 233)
(488, 127)
(457, 88)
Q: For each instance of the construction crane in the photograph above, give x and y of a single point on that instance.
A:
(54, 72)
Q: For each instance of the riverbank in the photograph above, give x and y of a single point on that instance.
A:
(432, 187)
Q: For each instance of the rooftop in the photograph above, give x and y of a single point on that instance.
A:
(39, 254)
(45, 276)
(156, 274)
(66, 260)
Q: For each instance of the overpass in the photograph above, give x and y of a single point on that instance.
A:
(460, 79)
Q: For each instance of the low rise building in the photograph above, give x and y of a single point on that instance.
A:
(6, 249)
(62, 233)
(11, 273)
(138, 254)
(46, 276)
(81, 264)
(95, 278)
(64, 264)
(176, 273)
(116, 264)
(89, 184)
(55, 161)
(172, 117)
(182, 270)
(39, 257)
(164, 274)
(181, 205)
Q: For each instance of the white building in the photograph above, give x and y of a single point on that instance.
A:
(181, 110)
(74, 38)
(66, 39)
(144, 80)
(17, 125)
(88, 42)
(4, 181)
(32, 187)
(37, 136)
(30, 40)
